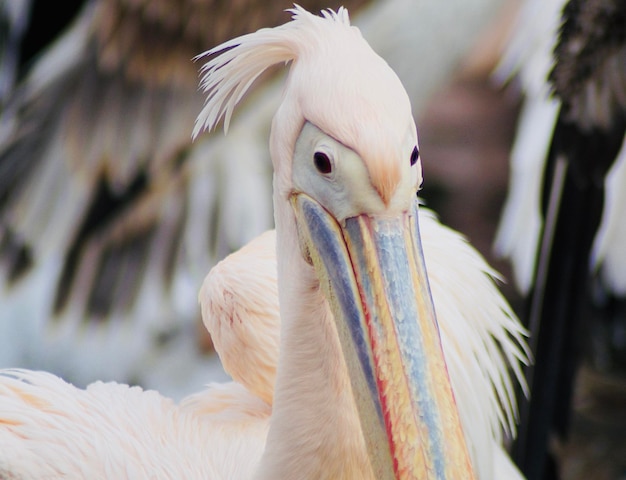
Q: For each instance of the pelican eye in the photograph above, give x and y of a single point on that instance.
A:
(414, 156)
(322, 163)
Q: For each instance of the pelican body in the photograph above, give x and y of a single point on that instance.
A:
(363, 388)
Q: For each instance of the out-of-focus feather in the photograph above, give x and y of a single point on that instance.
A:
(99, 181)
(101, 186)
(591, 76)
(528, 58)
(13, 23)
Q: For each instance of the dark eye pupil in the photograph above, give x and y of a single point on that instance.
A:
(414, 156)
(322, 162)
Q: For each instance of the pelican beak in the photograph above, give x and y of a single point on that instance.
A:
(373, 274)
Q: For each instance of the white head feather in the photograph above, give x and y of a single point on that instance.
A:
(371, 116)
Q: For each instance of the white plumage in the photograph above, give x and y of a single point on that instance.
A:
(114, 431)
(145, 261)
(221, 432)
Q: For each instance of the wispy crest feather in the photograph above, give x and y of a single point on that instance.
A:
(239, 62)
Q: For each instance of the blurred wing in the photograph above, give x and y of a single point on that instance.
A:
(13, 22)
(102, 189)
(566, 167)
(527, 59)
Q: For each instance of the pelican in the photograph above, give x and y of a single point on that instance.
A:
(110, 218)
(563, 223)
(367, 384)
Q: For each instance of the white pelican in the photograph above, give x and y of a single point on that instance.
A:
(563, 223)
(109, 218)
(362, 387)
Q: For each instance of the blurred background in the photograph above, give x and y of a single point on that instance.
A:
(110, 216)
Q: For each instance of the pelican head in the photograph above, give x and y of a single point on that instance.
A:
(346, 172)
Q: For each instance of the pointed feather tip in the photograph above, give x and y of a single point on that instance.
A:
(210, 114)
(228, 76)
(298, 11)
(341, 15)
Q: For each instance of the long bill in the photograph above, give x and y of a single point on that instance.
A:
(373, 274)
